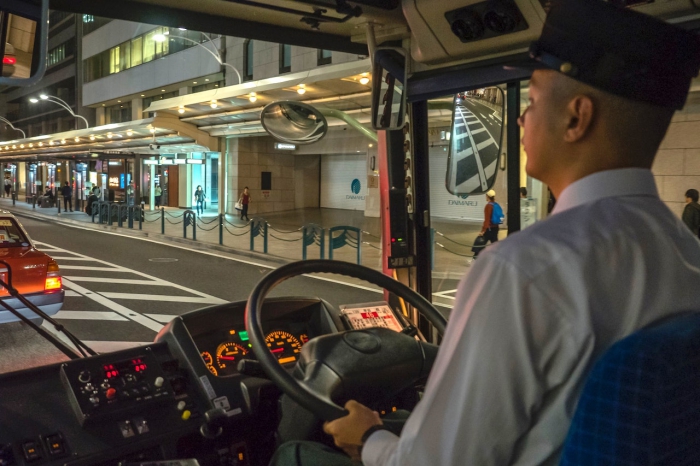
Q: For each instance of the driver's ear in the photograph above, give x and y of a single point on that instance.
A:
(579, 112)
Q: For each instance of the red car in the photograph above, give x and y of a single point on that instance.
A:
(34, 273)
(8, 61)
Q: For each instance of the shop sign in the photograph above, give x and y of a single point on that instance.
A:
(113, 181)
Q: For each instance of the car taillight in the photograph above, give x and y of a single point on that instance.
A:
(53, 283)
(53, 279)
(9, 60)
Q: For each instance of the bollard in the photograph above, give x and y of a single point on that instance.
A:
(141, 214)
(187, 218)
(58, 203)
(221, 229)
(34, 201)
(162, 220)
(14, 197)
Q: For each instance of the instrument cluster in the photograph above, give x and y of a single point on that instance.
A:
(223, 350)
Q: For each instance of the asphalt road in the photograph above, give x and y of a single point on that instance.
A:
(121, 290)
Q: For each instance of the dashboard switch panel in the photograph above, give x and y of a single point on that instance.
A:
(116, 388)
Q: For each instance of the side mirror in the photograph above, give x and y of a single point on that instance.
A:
(475, 141)
(24, 30)
(389, 84)
(293, 122)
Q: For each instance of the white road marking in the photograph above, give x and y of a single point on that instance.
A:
(56, 258)
(72, 293)
(95, 269)
(89, 315)
(163, 298)
(164, 318)
(124, 281)
(446, 294)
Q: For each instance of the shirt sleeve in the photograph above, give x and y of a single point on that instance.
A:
(504, 345)
(488, 210)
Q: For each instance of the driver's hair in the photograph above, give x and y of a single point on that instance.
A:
(634, 129)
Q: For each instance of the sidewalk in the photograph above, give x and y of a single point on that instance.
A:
(284, 241)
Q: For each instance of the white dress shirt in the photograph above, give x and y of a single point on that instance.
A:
(532, 316)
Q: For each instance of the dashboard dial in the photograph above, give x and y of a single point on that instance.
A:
(284, 346)
(228, 354)
(209, 362)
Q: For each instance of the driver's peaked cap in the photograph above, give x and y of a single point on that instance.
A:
(619, 51)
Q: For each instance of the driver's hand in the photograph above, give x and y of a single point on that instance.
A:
(348, 431)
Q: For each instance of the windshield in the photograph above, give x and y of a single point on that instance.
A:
(11, 236)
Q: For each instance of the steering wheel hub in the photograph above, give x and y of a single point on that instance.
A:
(363, 341)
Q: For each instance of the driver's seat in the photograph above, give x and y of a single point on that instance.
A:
(641, 402)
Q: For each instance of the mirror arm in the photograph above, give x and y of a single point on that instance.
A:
(353, 123)
(371, 41)
(43, 51)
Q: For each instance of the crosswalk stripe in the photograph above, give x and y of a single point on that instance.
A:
(157, 297)
(163, 318)
(95, 269)
(72, 294)
(56, 258)
(124, 281)
(89, 315)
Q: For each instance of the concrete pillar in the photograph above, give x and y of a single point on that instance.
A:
(184, 90)
(152, 196)
(137, 109)
(100, 116)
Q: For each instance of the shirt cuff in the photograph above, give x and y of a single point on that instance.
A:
(379, 447)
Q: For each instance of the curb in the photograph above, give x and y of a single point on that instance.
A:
(198, 245)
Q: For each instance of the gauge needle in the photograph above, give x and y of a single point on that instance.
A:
(278, 350)
(228, 358)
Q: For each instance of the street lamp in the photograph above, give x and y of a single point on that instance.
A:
(61, 103)
(7, 122)
(217, 54)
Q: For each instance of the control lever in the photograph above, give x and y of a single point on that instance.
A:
(214, 421)
(251, 367)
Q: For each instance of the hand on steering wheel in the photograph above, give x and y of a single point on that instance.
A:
(352, 364)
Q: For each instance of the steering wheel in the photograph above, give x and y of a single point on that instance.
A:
(351, 364)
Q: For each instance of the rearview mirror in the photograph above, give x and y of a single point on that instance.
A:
(475, 141)
(293, 122)
(24, 32)
(389, 79)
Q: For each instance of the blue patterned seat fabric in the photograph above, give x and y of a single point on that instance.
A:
(641, 402)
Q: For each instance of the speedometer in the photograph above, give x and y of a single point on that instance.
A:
(284, 346)
(228, 354)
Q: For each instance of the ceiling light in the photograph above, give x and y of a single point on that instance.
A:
(119, 101)
(109, 135)
(216, 85)
(194, 82)
(103, 105)
(181, 109)
(162, 90)
(63, 141)
(213, 104)
(371, 145)
(14, 146)
(152, 130)
(34, 100)
(182, 29)
(253, 97)
(51, 143)
(129, 132)
(31, 144)
(207, 79)
(364, 80)
(143, 95)
(302, 89)
(77, 139)
(41, 144)
(21, 146)
(43, 97)
(92, 137)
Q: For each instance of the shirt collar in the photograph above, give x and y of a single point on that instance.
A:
(609, 183)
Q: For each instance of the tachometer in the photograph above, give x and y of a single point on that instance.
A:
(228, 354)
(209, 362)
(284, 346)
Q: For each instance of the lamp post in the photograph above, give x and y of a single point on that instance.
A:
(60, 102)
(216, 55)
(7, 122)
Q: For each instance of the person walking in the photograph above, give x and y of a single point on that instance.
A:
(199, 198)
(493, 217)
(245, 200)
(158, 193)
(8, 186)
(691, 213)
(67, 193)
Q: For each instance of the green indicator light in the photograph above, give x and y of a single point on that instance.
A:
(243, 335)
(399, 240)
(249, 345)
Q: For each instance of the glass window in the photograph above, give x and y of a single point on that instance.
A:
(11, 235)
(248, 60)
(285, 58)
(149, 46)
(136, 51)
(325, 57)
(56, 55)
(114, 60)
(118, 113)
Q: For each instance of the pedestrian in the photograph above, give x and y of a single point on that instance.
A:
(158, 193)
(131, 193)
(523, 192)
(493, 218)
(92, 199)
(244, 200)
(67, 193)
(8, 186)
(691, 213)
(199, 198)
(536, 312)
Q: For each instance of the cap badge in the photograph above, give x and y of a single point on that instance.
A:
(567, 68)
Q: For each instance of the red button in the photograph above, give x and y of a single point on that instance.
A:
(110, 393)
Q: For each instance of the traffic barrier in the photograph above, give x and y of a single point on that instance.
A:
(122, 212)
(313, 234)
(104, 212)
(258, 227)
(189, 218)
(345, 238)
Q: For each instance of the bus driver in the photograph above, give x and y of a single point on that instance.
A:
(539, 308)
